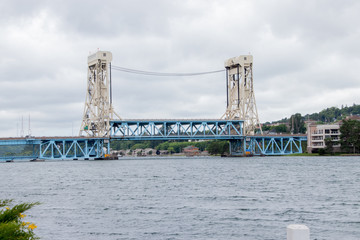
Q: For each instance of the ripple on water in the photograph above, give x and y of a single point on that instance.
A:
(194, 198)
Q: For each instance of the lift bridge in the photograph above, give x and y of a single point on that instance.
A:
(239, 125)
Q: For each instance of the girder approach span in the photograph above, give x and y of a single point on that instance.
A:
(55, 148)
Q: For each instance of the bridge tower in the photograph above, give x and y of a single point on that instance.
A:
(98, 110)
(240, 93)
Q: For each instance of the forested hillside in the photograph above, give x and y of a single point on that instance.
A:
(296, 122)
(334, 114)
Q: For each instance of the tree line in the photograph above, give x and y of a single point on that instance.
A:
(334, 114)
(296, 123)
(214, 147)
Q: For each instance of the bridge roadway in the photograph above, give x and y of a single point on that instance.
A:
(156, 129)
(176, 129)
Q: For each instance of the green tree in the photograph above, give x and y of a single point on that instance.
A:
(176, 146)
(329, 146)
(350, 136)
(201, 145)
(297, 124)
(218, 147)
(138, 146)
(163, 146)
(281, 128)
(266, 127)
(321, 151)
(171, 150)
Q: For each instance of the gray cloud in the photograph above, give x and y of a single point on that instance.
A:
(306, 57)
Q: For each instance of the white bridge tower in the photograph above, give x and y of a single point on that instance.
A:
(240, 93)
(98, 109)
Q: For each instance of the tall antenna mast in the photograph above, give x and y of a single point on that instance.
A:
(240, 93)
(29, 127)
(22, 127)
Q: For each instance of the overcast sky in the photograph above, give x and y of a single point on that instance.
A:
(306, 57)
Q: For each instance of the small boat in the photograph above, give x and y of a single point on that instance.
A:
(37, 160)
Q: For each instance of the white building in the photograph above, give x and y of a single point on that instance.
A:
(316, 135)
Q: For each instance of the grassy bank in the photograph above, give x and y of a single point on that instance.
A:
(317, 154)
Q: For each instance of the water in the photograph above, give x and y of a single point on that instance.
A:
(189, 198)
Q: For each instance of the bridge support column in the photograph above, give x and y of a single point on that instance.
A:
(240, 93)
(237, 147)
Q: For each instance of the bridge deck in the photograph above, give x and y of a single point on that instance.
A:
(159, 129)
(176, 129)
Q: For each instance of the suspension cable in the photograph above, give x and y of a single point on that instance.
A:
(135, 71)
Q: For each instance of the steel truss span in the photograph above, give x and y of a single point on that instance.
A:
(176, 129)
(267, 145)
(59, 148)
(72, 148)
(20, 144)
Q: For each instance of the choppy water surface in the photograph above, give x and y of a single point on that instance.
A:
(189, 198)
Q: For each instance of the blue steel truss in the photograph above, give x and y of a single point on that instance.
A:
(267, 145)
(59, 148)
(18, 141)
(176, 129)
(85, 148)
(10, 148)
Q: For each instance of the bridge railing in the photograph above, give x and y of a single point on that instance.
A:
(176, 129)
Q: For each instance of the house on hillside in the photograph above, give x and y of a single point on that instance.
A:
(149, 151)
(138, 152)
(163, 152)
(191, 151)
(353, 117)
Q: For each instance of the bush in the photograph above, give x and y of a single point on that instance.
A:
(218, 147)
(12, 225)
(322, 151)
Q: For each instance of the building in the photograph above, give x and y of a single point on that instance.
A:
(191, 151)
(316, 135)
